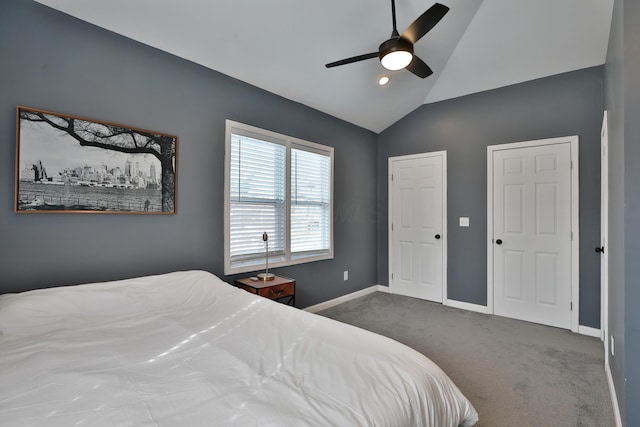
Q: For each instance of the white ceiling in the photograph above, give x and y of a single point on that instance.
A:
(282, 45)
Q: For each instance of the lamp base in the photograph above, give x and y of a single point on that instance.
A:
(266, 276)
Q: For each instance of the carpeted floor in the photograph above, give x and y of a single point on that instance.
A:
(515, 373)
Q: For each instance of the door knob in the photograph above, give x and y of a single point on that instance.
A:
(600, 250)
(499, 241)
(437, 237)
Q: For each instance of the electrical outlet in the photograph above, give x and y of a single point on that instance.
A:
(613, 345)
(346, 275)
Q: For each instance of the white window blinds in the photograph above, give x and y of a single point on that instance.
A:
(257, 198)
(279, 185)
(310, 202)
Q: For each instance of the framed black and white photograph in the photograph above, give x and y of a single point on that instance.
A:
(70, 164)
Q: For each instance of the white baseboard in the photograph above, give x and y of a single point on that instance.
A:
(466, 306)
(583, 330)
(614, 397)
(591, 332)
(357, 294)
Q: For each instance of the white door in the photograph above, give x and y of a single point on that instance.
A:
(604, 235)
(417, 239)
(532, 234)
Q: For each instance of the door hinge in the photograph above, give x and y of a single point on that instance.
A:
(391, 276)
(572, 235)
(571, 164)
(391, 177)
(391, 226)
(571, 305)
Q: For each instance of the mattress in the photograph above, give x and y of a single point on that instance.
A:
(187, 349)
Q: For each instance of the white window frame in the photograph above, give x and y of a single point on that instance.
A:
(289, 142)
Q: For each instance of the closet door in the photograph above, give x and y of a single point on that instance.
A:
(417, 205)
(532, 234)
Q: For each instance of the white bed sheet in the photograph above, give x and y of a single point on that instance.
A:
(187, 349)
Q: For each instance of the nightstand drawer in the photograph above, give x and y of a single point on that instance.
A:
(278, 291)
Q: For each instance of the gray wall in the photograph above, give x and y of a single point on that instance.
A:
(622, 90)
(614, 101)
(54, 62)
(632, 209)
(567, 104)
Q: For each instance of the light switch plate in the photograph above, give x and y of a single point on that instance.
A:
(464, 221)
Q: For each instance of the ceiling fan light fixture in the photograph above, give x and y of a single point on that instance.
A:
(396, 54)
(396, 60)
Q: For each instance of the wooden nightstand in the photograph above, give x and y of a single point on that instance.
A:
(276, 289)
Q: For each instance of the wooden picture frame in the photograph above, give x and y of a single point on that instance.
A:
(71, 164)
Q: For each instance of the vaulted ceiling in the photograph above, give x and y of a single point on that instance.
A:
(282, 46)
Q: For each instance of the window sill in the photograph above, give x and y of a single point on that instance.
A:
(249, 267)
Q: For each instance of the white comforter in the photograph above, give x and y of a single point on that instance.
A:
(187, 349)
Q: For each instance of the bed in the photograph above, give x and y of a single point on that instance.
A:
(187, 349)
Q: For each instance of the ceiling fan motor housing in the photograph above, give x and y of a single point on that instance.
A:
(395, 44)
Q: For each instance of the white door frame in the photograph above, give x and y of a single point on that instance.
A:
(575, 217)
(604, 235)
(445, 233)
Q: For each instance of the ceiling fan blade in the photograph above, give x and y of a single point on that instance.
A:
(425, 22)
(418, 67)
(353, 59)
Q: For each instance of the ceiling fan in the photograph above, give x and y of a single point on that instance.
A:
(397, 52)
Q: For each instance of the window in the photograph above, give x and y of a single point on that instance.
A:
(279, 185)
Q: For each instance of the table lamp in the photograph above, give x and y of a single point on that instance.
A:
(266, 275)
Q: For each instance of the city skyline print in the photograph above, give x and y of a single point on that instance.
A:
(70, 164)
